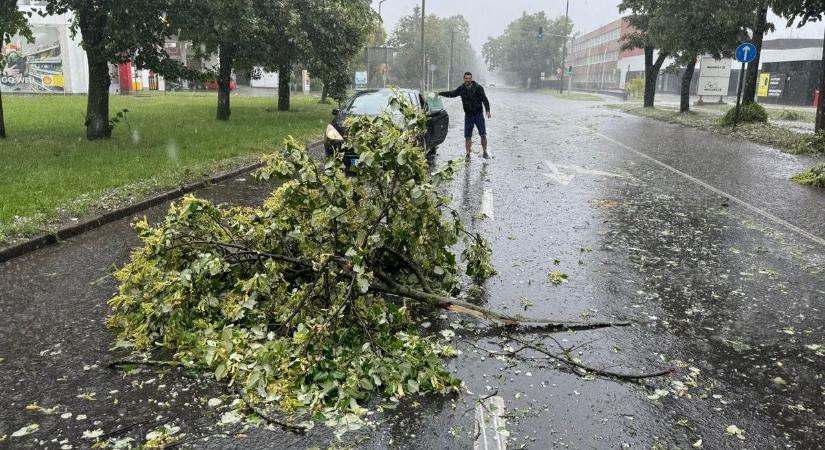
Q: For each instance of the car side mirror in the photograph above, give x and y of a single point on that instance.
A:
(335, 111)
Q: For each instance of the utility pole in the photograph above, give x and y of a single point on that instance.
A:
(450, 67)
(386, 50)
(423, 55)
(572, 62)
(564, 47)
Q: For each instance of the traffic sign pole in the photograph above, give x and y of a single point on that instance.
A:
(745, 53)
(739, 96)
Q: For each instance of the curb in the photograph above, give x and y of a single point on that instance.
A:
(15, 251)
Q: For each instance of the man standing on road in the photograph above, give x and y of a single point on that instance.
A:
(475, 103)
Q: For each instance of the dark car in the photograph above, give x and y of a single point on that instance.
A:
(374, 103)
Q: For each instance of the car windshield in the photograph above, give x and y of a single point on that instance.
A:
(371, 104)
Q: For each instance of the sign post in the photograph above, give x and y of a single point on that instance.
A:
(745, 53)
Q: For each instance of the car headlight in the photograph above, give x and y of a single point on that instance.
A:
(333, 134)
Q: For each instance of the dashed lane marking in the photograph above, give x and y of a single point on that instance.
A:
(487, 204)
(490, 427)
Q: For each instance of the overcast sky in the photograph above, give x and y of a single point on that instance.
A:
(490, 17)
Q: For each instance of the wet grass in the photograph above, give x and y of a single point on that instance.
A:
(572, 95)
(52, 174)
(760, 133)
(775, 113)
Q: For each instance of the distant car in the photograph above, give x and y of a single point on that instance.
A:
(375, 102)
(212, 85)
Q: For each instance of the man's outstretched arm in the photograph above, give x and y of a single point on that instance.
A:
(451, 94)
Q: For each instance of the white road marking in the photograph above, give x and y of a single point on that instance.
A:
(490, 426)
(732, 198)
(564, 174)
(487, 204)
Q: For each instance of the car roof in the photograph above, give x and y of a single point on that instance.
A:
(373, 91)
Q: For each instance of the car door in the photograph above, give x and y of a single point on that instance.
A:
(438, 121)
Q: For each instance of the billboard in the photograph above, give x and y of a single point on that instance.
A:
(34, 67)
(714, 76)
(263, 79)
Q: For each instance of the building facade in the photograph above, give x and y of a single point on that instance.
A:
(597, 57)
(790, 65)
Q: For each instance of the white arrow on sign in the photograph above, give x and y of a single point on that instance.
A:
(564, 174)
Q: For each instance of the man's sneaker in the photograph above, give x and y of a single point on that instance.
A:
(467, 158)
(486, 155)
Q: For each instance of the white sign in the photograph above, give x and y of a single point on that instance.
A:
(360, 80)
(306, 81)
(714, 76)
(266, 80)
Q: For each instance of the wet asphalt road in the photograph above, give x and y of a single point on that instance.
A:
(699, 240)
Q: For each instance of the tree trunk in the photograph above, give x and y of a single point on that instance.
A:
(2, 119)
(224, 80)
(325, 93)
(652, 75)
(687, 78)
(97, 107)
(820, 108)
(752, 76)
(284, 78)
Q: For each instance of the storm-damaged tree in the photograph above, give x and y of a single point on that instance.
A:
(13, 21)
(530, 45)
(642, 13)
(802, 12)
(337, 31)
(112, 32)
(723, 27)
(214, 27)
(308, 304)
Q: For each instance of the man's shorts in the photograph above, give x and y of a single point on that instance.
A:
(474, 121)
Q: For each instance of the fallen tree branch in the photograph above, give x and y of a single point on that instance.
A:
(148, 362)
(419, 274)
(462, 307)
(566, 359)
(269, 418)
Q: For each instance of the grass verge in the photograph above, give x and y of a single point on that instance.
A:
(572, 95)
(52, 174)
(767, 134)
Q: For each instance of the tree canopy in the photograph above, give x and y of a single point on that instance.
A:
(521, 51)
(440, 33)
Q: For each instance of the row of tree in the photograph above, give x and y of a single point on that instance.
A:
(686, 30)
(447, 49)
(530, 45)
(275, 35)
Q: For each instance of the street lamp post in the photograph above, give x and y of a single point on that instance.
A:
(423, 55)
(386, 49)
(564, 47)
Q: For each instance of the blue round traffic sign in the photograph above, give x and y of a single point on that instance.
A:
(746, 53)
